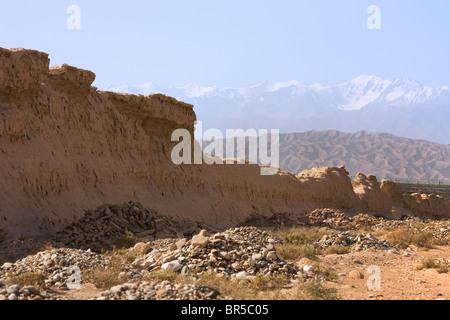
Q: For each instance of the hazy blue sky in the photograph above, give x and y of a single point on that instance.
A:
(237, 42)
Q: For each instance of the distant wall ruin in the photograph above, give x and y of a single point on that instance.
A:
(66, 147)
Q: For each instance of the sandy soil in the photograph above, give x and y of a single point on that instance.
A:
(399, 278)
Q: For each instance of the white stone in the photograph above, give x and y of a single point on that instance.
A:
(180, 244)
(7, 266)
(242, 275)
(308, 268)
(271, 256)
(172, 266)
(257, 256)
(12, 296)
(199, 241)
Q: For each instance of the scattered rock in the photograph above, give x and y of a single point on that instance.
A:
(173, 266)
(160, 290)
(354, 274)
(142, 248)
(108, 224)
(55, 265)
(200, 240)
(13, 296)
(238, 252)
(308, 268)
(32, 290)
(7, 265)
(271, 256)
(356, 242)
(242, 275)
(181, 243)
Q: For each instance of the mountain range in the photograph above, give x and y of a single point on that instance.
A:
(381, 154)
(402, 107)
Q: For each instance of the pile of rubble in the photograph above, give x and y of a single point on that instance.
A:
(354, 242)
(329, 218)
(161, 290)
(56, 265)
(108, 223)
(276, 221)
(336, 219)
(238, 253)
(242, 253)
(16, 292)
(438, 229)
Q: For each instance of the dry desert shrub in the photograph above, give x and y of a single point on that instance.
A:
(298, 243)
(36, 279)
(315, 291)
(303, 235)
(335, 249)
(105, 278)
(294, 252)
(404, 237)
(166, 275)
(430, 263)
(326, 272)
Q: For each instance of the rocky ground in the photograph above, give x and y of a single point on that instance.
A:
(135, 253)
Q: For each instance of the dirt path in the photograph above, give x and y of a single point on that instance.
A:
(399, 278)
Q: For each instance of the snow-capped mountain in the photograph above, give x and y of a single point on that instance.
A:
(403, 107)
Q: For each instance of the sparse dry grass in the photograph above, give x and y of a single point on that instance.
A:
(404, 237)
(443, 268)
(444, 241)
(325, 272)
(336, 250)
(268, 283)
(106, 278)
(36, 279)
(315, 291)
(431, 263)
(298, 243)
(303, 235)
(258, 288)
(292, 252)
(165, 275)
